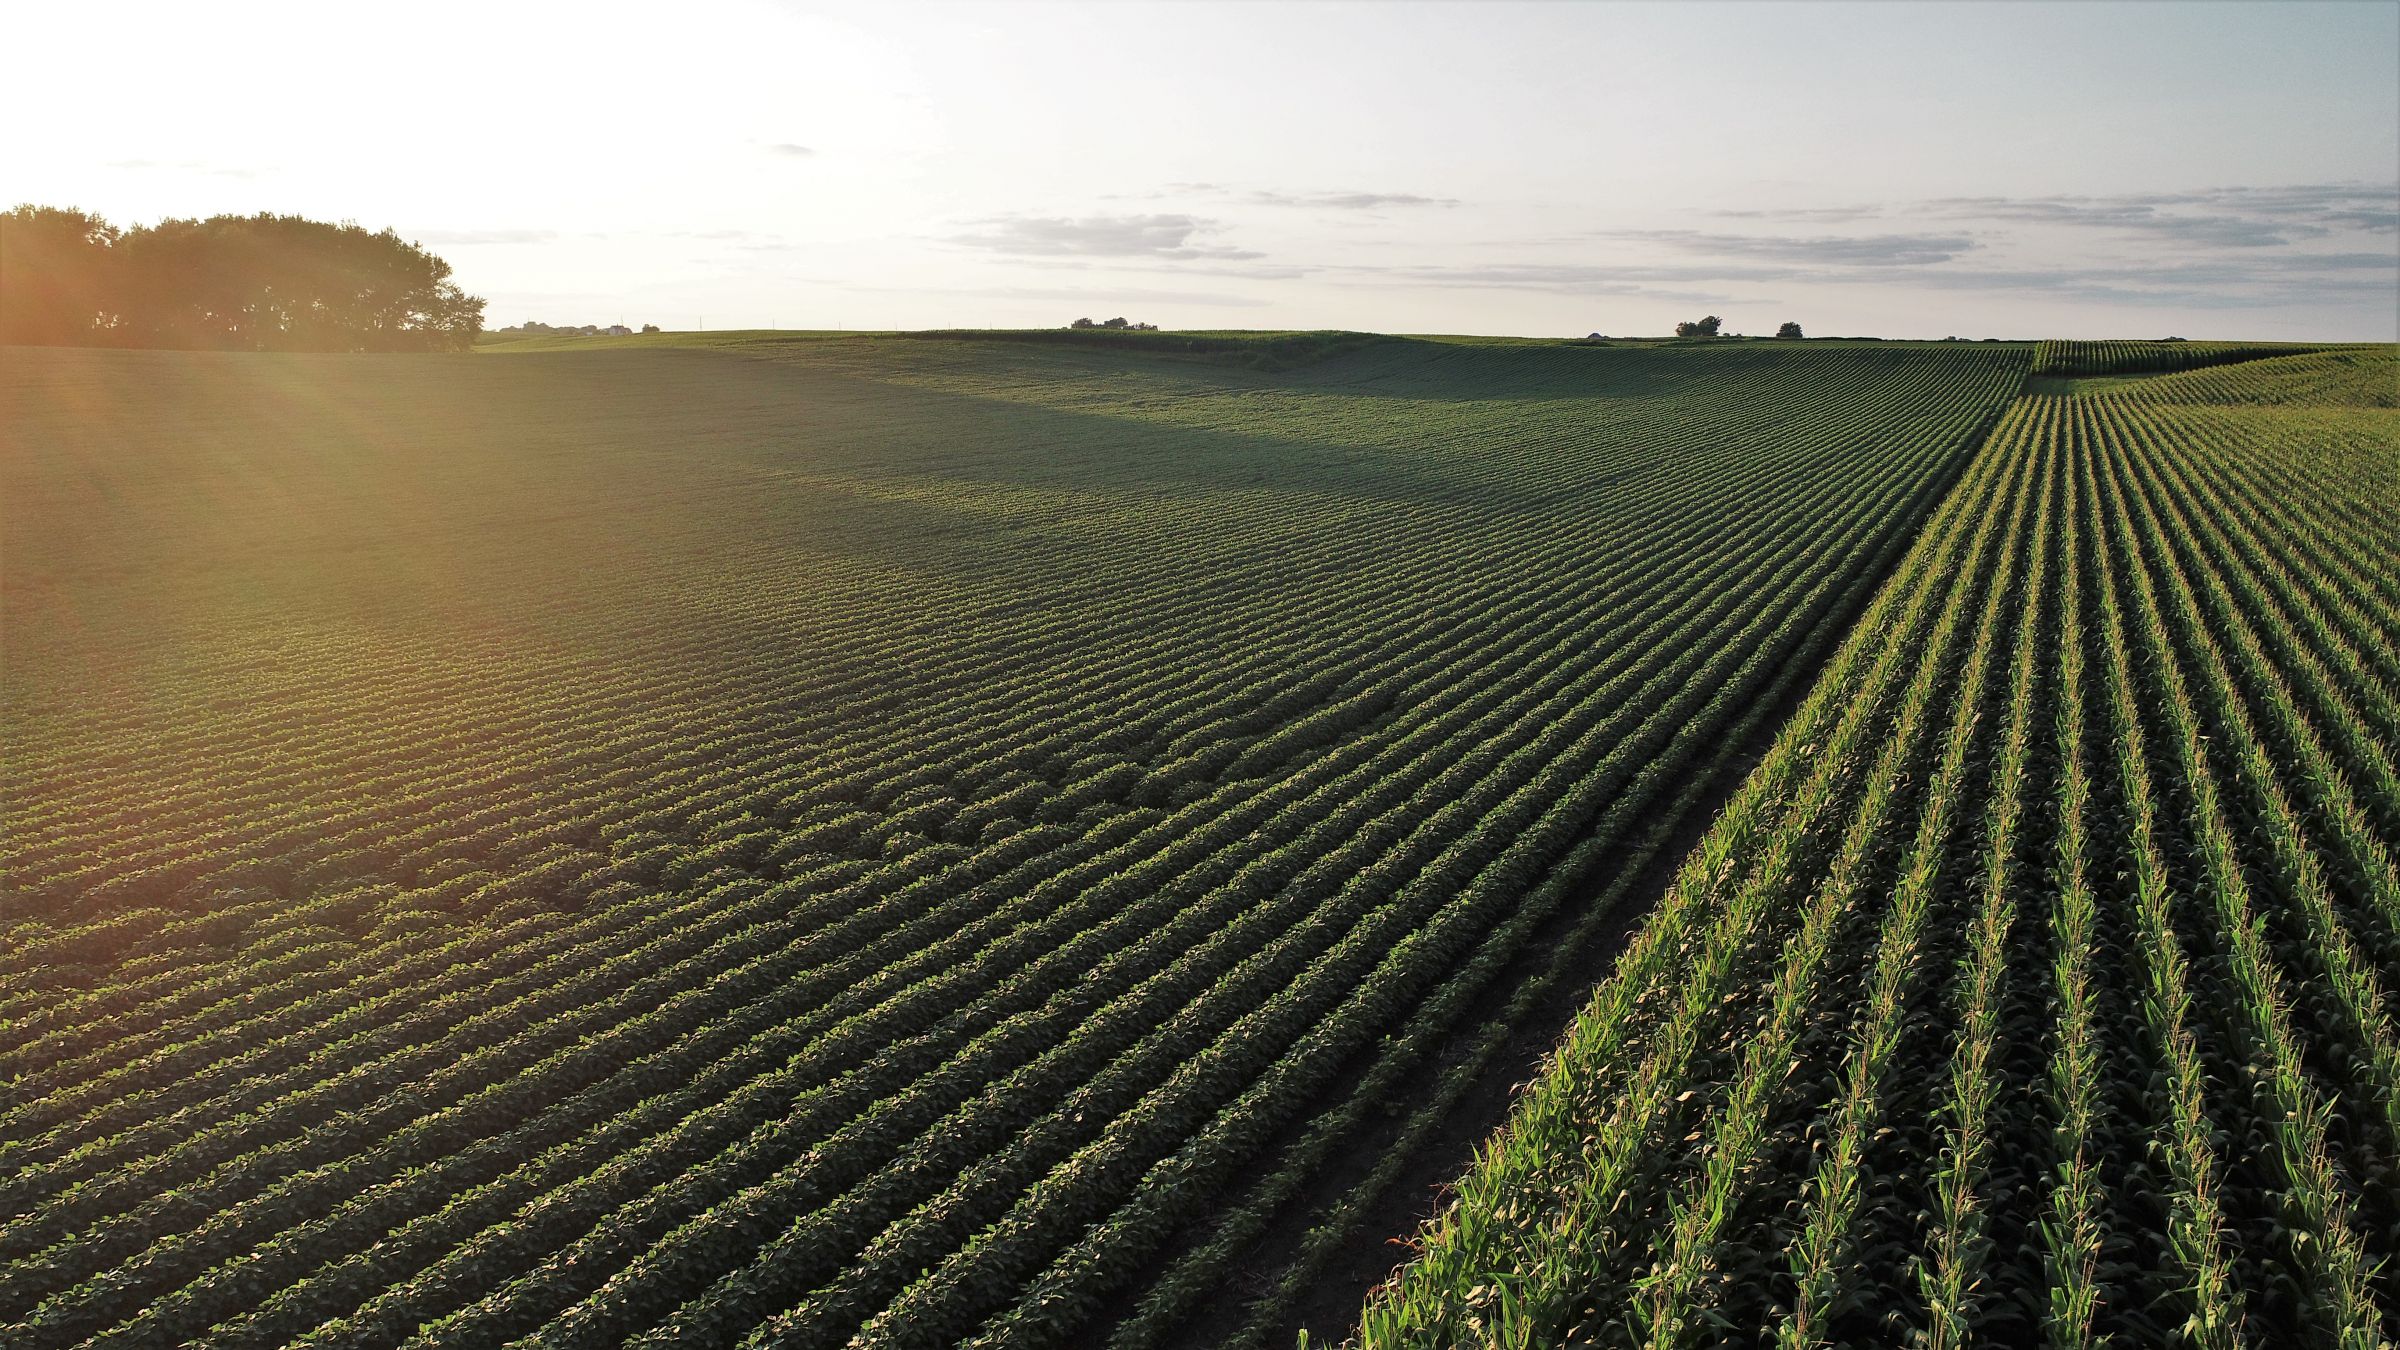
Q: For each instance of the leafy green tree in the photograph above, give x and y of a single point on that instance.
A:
(261, 283)
(286, 283)
(1789, 330)
(56, 276)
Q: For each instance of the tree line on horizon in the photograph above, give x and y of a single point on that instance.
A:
(240, 283)
(1712, 326)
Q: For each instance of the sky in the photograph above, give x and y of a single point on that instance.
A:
(2015, 169)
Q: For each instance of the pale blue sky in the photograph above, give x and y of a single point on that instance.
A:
(2010, 169)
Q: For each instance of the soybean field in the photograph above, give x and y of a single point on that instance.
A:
(2038, 987)
(903, 842)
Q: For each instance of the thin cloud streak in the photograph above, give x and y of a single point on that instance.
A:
(2229, 217)
(2217, 267)
(1334, 200)
(1345, 201)
(1170, 237)
(1829, 214)
(1866, 250)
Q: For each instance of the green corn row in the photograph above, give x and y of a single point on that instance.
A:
(2150, 642)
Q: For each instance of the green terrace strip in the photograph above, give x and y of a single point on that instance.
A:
(2072, 359)
(2037, 986)
(962, 838)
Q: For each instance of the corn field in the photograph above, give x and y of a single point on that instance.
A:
(2038, 987)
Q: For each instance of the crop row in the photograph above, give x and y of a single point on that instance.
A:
(948, 878)
(2063, 1014)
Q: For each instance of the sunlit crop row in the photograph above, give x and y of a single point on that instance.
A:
(913, 842)
(2038, 986)
(2074, 359)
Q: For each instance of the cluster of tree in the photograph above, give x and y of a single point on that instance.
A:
(250, 283)
(1115, 323)
(529, 328)
(1712, 326)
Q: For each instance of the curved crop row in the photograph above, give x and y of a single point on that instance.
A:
(897, 841)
